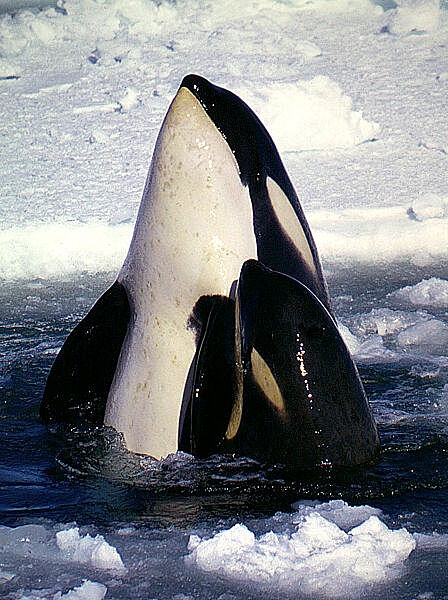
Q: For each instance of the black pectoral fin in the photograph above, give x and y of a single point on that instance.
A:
(208, 396)
(79, 381)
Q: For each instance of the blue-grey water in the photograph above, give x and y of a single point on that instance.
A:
(85, 477)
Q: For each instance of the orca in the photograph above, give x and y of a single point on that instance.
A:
(296, 397)
(163, 355)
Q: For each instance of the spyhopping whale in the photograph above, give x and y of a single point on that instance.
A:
(218, 334)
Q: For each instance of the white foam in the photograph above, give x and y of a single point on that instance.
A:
(310, 115)
(88, 550)
(317, 557)
(429, 293)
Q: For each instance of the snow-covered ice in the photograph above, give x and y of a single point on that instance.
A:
(85, 549)
(67, 544)
(320, 116)
(318, 548)
(86, 85)
(318, 557)
(430, 293)
(88, 590)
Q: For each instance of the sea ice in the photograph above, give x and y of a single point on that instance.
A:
(88, 590)
(86, 549)
(8, 69)
(317, 557)
(430, 336)
(429, 293)
(129, 100)
(68, 178)
(310, 115)
(351, 341)
(37, 542)
(412, 16)
(385, 321)
(61, 249)
(337, 511)
(429, 206)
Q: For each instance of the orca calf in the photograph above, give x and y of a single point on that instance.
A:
(218, 334)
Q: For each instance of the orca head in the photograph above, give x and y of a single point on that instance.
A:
(284, 239)
(299, 399)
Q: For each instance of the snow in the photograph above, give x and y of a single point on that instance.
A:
(85, 549)
(59, 250)
(429, 206)
(412, 16)
(369, 236)
(82, 100)
(52, 250)
(307, 558)
(320, 115)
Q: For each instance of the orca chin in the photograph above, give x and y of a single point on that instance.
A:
(218, 334)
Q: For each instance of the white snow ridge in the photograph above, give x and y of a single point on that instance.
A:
(310, 115)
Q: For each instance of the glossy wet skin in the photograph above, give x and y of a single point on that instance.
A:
(301, 390)
(217, 195)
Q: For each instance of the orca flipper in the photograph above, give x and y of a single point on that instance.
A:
(209, 391)
(79, 381)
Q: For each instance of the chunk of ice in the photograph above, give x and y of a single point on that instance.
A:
(317, 557)
(86, 549)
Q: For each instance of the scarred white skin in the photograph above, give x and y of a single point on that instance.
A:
(193, 232)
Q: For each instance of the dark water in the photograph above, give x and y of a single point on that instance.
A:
(86, 477)
(43, 475)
